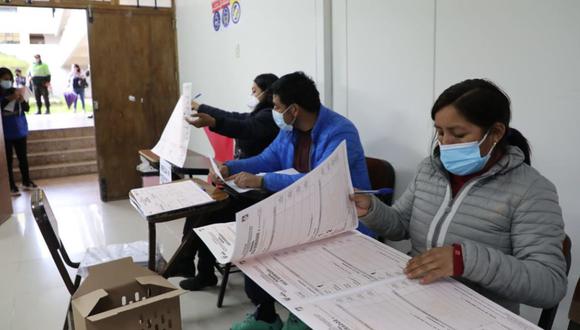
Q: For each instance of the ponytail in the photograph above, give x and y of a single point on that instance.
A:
(514, 138)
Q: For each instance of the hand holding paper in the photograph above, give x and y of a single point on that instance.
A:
(246, 180)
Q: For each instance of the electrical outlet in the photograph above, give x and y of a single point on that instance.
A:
(237, 51)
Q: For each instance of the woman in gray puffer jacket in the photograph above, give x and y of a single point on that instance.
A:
(476, 209)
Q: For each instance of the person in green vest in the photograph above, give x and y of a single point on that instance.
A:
(40, 75)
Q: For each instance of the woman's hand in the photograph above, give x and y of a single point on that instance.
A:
(194, 105)
(246, 180)
(201, 120)
(362, 203)
(431, 265)
(224, 171)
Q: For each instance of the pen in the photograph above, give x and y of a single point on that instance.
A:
(196, 96)
(382, 191)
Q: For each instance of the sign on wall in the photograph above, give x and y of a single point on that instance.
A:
(225, 12)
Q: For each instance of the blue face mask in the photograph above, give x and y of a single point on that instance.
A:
(6, 84)
(279, 120)
(464, 158)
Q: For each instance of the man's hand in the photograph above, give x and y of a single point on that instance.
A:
(362, 203)
(201, 120)
(431, 265)
(246, 180)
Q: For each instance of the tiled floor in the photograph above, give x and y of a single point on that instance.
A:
(58, 120)
(30, 283)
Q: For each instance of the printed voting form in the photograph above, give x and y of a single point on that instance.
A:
(300, 246)
(178, 136)
(168, 197)
(234, 186)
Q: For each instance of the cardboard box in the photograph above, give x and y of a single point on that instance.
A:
(122, 295)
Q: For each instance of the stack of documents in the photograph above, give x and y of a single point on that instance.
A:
(168, 197)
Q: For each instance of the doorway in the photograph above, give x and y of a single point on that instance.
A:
(133, 86)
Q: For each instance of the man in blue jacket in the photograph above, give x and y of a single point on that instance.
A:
(309, 133)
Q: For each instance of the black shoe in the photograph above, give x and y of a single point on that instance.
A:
(198, 283)
(29, 185)
(47, 113)
(183, 270)
(38, 113)
(14, 192)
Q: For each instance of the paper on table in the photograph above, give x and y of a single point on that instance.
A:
(313, 208)
(234, 186)
(219, 238)
(324, 268)
(406, 304)
(168, 197)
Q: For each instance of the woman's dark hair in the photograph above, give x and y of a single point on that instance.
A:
(264, 81)
(6, 71)
(298, 88)
(77, 67)
(483, 103)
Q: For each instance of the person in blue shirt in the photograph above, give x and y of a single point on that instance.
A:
(309, 133)
(13, 107)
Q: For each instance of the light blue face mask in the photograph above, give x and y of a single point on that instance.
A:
(464, 158)
(279, 120)
(6, 84)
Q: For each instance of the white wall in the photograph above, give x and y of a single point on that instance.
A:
(531, 49)
(278, 36)
(391, 58)
(384, 77)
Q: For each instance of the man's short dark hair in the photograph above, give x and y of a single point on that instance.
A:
(297, 88)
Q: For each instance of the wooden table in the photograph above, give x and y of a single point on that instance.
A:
(200, 212)
(195, 163)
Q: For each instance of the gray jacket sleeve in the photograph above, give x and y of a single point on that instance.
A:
(535, 273)
(391, 223)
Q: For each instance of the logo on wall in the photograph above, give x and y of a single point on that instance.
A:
(236, 12)
(216, 21)
(224, 11)
(226, 16)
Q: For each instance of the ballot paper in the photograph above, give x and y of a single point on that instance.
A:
(168, 197)
(178, 136)
(235, 187)
(26, 94)
(300, 245)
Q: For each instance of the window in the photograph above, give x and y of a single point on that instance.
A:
(9, 38)
(37, 38)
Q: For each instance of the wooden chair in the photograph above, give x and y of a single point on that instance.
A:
(549, 314)
(574, 313)
(382, 175)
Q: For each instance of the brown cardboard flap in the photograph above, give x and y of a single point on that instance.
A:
(128, 307)
(111, 274)
(87, 303)
(155, 280)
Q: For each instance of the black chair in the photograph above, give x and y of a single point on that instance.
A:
(225, 270)
(382, 175)
(46, 221)
(549, 314)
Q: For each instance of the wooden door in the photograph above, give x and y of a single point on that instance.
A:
(133, 67)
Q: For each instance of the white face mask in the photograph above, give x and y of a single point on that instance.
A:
(6, 84)
(279, 120)
(253, 101)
